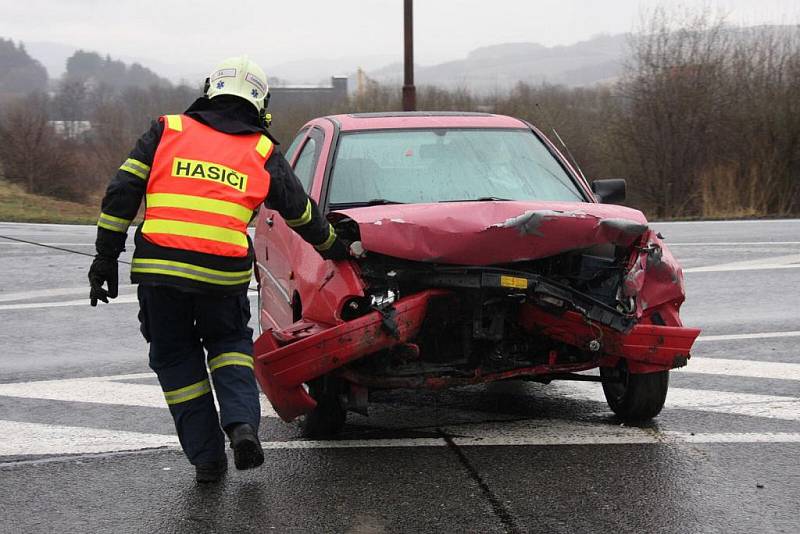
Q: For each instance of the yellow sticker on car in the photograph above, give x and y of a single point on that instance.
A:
(514, 281)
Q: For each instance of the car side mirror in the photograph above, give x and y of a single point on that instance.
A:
(609, 191)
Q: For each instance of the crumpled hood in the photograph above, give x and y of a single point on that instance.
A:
(492, 232)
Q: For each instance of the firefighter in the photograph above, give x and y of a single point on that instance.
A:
(202, 175)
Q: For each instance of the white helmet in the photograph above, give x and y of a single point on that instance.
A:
(242, 77)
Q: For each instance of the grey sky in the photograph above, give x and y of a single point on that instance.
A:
(197, 33)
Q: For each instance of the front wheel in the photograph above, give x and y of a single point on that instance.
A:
(634, 397)
(329, 416)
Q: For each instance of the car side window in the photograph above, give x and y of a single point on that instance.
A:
(306, 162)
(295, 144)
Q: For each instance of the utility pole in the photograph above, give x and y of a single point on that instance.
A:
(409, 91)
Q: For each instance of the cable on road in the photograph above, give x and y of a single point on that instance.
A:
(71, 251)
(499, 509)
(54, 247)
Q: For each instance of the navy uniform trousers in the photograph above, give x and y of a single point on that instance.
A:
(179, 324)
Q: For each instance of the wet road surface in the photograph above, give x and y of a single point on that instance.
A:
(87, 444)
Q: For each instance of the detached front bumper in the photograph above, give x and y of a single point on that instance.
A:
(286, 360)
(282, 371)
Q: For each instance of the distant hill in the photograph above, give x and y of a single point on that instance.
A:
(91, 67)
(497, 67)
(19, 72)
(492, 67)
(501, 66)
(52, 55)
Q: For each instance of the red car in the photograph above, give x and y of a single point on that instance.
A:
(488, 257)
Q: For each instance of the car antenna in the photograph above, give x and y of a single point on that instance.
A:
(569, 152)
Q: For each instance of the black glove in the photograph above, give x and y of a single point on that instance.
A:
(104, 269)
(340, 250)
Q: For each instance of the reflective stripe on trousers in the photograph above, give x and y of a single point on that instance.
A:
(182, 327)
(230, 358)
(184, 394)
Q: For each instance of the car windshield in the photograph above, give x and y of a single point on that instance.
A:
(441, 165)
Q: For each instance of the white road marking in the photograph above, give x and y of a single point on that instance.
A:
(122, 299)
(100, 390)
(36, 438)
(56, 292)
(733, 243)
(704, 400)
(52, 225)
(641, 437)
(44, 439)
(762, 335)
(790, 261)
(557, 435)
(563, 432)
(733, 221)
(108, 390)
(743, 368)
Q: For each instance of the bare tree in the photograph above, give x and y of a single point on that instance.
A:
(32, 155)
(675, 99)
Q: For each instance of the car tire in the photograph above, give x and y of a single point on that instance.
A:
(328, 417)
(634, 397)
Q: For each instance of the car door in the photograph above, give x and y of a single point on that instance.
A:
(273, 300)
(279, 245)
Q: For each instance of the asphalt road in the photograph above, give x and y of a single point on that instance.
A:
(86, 444)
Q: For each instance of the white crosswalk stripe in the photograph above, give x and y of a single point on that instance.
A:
(29, 438)
(789, 261)
(40, 439)
(749, 404)
(743, 368)
(102, 390)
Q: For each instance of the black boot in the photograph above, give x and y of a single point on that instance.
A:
(211, 471)
(247, 451)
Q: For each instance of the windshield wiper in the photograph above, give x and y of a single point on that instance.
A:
(480, 199)
(373, 202)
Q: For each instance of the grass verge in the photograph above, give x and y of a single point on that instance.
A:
(18, 206)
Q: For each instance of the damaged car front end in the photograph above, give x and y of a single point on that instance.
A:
(466, 292)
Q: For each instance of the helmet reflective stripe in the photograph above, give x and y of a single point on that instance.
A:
(242, 77)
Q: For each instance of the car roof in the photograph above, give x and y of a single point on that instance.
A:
(423, 119)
